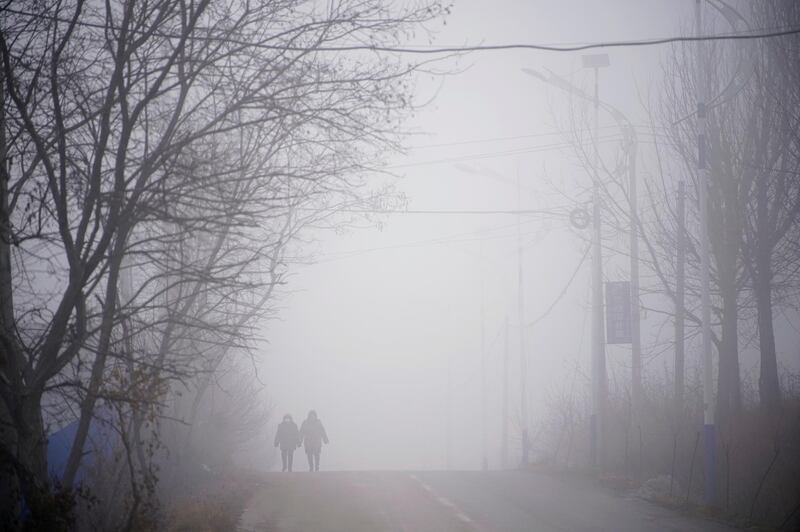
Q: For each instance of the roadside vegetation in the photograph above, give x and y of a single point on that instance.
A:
(652, 440)
(160, 161)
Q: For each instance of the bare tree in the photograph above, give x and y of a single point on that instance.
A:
(771, 161)
(111, 117)
(753, 196)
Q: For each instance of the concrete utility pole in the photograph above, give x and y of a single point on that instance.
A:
(598, 334)
(484, 379)
(680, 289)
(709, 438)
(504, 456)
(636, 336)
(448, 437)
(523, 361)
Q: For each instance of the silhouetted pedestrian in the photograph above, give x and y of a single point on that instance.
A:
(288, 438)
(313, 434)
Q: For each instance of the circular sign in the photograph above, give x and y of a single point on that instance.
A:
(579, 218)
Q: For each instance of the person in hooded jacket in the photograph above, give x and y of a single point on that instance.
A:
(313, 434)
(288, 438)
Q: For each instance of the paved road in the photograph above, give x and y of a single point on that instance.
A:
(451, 501)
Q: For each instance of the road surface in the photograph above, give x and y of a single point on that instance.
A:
(451, 501)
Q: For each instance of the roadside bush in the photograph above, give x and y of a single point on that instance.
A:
(660, 452)
(214, 507)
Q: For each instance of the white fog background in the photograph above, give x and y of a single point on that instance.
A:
(368, 332)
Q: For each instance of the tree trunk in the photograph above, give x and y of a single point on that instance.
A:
(729, 390)
(768, 383)
(32, 442)
(98, 367)
(23, 443)
(761, 258)
(23, 461)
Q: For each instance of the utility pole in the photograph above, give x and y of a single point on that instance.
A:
(709, 437)
(484, 379)
(523, 362)
(598, 335)
(448, 443)
(636, 337)
(680, 288)
(504, 456)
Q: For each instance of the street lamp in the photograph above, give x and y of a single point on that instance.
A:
(596, 62)
(629, 134)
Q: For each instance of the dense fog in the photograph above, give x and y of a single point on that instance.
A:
(387, 315)
(483, 242)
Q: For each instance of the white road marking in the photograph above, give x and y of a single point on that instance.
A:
(464, 518)
(447, 503)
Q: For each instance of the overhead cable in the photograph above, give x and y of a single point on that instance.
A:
(421, 51)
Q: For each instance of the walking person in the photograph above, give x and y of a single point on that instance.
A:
(288, 438)
(313, 434)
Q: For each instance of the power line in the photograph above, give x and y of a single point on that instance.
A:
(486, 140)
(561, 44)
(645, 127)
(424, 51)
(457, 238)
(563, 291)
(525, 151)
(548, 48)
(506, 153)
(444, 240)
(547, 212)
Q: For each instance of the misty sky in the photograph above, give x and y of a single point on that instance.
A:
(368, 333)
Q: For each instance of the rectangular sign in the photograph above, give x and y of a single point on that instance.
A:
(618, 312)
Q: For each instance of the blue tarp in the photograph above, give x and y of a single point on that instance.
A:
(101, 439)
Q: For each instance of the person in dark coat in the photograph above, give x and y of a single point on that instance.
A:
(288, 438)
(313, 434)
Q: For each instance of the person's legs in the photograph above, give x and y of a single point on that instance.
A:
(316, 460)
(310, 455)
(290, 458)
(283, 459)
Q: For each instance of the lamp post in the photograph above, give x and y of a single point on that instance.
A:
(448, 444)
(599, 386)
(596, 62)
(484, 370)
(523, 354)
(504, 433)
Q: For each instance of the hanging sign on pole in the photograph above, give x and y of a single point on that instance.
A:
(618, 312)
